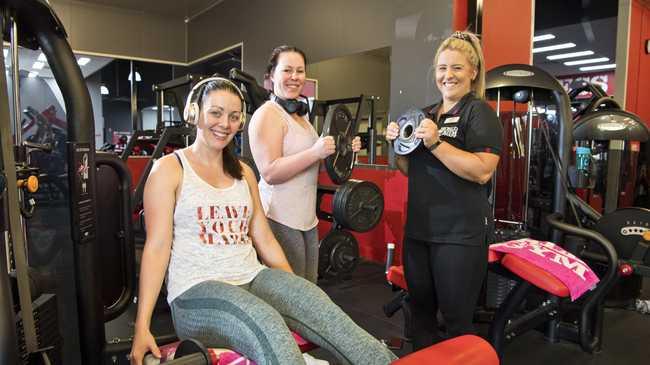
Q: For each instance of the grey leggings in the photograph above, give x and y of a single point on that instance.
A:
(255, 319)
(300, 247)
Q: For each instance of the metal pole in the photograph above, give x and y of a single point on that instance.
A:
(494, 176)
(13, 198)
(134, 98)
(15, 83)
(529, 145)
(8, 339)
(372, 132)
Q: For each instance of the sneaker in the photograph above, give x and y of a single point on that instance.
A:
(310, 360)
(643, 306)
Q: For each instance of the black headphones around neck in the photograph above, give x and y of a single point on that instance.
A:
(300, 107)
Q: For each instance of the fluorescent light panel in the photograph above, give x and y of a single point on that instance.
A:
(103, 90)
(598, 67)
(562, 56)
(554, 47)
(83, 61)
(543, 37)
(586, 61)
(38, 65)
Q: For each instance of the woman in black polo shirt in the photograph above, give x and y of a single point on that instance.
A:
(448, 216)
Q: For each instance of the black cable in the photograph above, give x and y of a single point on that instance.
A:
(558, 165)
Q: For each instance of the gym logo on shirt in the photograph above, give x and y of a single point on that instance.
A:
(449, 131)
(223, 225)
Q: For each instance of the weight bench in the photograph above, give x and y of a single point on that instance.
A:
(462, 350)
(587, 330)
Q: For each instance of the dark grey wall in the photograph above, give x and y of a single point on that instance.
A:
(121, 32)
(330, 29)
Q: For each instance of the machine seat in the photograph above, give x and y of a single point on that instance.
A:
(225, 356)
(536, 276)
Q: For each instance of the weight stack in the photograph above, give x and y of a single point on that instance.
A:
(47, 329)
(497, 289)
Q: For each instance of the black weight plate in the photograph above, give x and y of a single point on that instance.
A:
(340, 125)
(360, 205)
(624, 228)
(338, 253)
(408, 122)
(345, 254)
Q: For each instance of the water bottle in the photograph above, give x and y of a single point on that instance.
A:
(583, 157)
(389, 256)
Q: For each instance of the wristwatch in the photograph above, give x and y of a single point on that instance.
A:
(435, 145)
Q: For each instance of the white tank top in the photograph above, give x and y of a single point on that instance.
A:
(293, 202)
(210, 238)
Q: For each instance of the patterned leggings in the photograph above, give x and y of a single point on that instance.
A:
(255, 320)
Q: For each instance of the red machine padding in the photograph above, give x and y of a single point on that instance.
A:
(463, 350)
(494, 256)
(224, 356)
(536, 276)
(396, 276)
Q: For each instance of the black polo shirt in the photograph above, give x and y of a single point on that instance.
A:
(442, 206)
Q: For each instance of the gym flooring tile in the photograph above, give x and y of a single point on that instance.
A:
(626, 332)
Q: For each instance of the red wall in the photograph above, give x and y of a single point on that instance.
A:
(372, 244)
(507, 32)
(638, 71)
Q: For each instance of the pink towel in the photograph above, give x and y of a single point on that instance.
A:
(567, 268)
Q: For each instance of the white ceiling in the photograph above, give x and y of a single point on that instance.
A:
(598, 36)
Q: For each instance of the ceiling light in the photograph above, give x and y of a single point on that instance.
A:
(588, 60)
(103, 90)
(562, 56)
(598, 67)
(38, 65)
(554, 47)
(543, 37)
(41, 57)
(32, 74)
(137, 77)
(83, 61)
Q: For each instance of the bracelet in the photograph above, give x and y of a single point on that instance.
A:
(435, 145)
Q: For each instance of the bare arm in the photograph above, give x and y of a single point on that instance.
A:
(159, 201)
(265, 243)
(477, 167)
(266, 133)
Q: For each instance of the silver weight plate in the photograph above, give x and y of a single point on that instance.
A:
(408, 122)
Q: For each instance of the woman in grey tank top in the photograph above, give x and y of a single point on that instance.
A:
(287, 151)
(230, 300)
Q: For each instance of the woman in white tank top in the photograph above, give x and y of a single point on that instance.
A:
(205, 230)
(287, 152)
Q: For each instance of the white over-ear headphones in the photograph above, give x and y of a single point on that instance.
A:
(192, 108)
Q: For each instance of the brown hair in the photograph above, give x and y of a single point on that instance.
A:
(231, 163)
(275, 54)
(468, 44)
